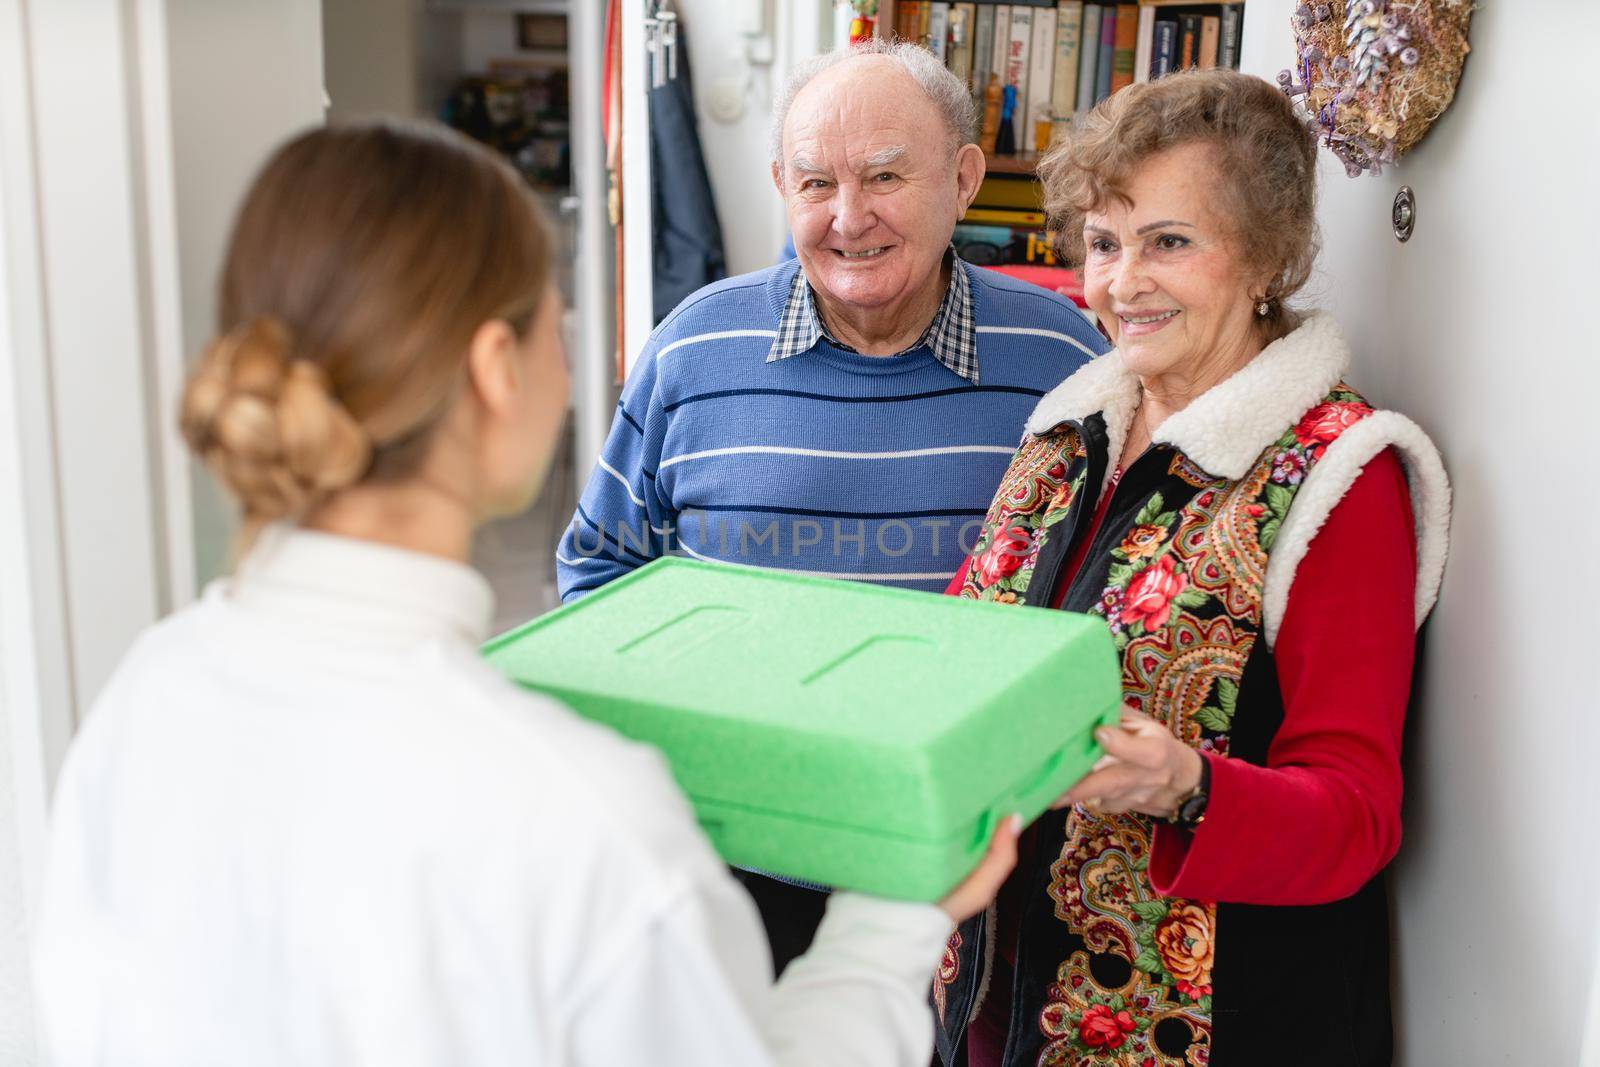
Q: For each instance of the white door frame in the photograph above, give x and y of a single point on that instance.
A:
(95, 526)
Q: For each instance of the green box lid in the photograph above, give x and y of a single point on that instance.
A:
(844, 734)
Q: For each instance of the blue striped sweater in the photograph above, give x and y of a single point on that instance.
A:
(830, 463)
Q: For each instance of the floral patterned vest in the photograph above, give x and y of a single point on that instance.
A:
(1109, 973)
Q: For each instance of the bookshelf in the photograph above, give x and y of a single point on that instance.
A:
(1102, 46)
(1063, 58)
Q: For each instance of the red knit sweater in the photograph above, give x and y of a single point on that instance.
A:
(1323, 816)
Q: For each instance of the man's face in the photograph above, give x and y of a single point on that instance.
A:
(871, 187)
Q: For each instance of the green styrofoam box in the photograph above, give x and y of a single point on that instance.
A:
(843, 734)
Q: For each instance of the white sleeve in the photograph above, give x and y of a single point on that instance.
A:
(695, 989)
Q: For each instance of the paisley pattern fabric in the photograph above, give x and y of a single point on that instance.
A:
(1177, 572)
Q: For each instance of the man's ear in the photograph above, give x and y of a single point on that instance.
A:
(493, 369)
(777, 178)
(970, 169)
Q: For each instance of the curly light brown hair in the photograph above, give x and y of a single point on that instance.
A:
(1265, 160)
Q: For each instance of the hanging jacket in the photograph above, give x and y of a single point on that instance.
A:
(685, 234)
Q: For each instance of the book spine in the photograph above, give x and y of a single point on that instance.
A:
(1189, 42)
(908, 17)
(1108, 48)
(1125, 43)
(1064, 83)
(1208, 41)
(962, 17)
(1228, 50)
(1166, 38)
(1142, 54)
(939, 29)
(1041, 72)
(1017, 61)
(1002, 42)
(982, 51)
(1088, 56)
(924, 17)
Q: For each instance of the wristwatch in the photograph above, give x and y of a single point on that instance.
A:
(1192, 808)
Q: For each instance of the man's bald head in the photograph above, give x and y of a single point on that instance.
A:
(882, 70)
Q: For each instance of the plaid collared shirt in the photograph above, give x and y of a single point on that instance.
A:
(951, 336)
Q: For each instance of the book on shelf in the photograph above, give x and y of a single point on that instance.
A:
(1016, 69)
(906, 18)
(1041, 83)
(1165, 47)
(982, 51)
(1209, 32)
(1064, 78)
(1142, 52)
(1002, 43)
(1108, 48)
(1088, 56)
(1228, 49)
(938, 29)
(959, 60)
(1125, 43)
(1189, 42)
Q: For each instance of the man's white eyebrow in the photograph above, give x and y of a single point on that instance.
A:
(881, 158)
(885, 156)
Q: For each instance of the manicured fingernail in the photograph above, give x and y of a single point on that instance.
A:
(1102, 734)
(1015, 823)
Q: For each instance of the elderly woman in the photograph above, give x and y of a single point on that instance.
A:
(1261, 544)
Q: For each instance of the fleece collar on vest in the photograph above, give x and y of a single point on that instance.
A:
(1226, 428)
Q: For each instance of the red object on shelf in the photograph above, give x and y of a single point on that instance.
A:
(1063, 280)
(860, 29)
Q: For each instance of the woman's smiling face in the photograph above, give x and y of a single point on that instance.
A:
(1162, 270)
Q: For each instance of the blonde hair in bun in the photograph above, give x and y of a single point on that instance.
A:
(267, 427)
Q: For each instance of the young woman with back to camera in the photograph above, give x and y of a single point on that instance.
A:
(304, 822)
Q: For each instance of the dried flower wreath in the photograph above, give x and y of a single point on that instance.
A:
(1374, 75)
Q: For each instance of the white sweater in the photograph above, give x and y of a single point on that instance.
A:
(305, 824)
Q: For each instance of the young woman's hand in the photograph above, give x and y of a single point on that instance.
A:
(981, 886)
(1145, 769)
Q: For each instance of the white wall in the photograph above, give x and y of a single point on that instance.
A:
(1480, 329)
(244, 75)
(753, 226)
(371, 53)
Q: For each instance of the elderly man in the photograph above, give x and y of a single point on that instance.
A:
(847, 415)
